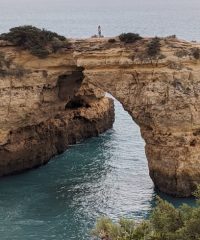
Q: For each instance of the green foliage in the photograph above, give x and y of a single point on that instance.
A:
(165, 223)
(165, 218)
(153, 47)
(172, 36)
(182, 53)
(197, 192)
(39, 51)
(106, 229)
(40, 42)
(6, 70)
(112, 40)
(196, 53)
(129, 37)
(123, 230)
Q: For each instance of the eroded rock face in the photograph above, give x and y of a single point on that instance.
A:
(161, 95)
(38, 114)
(163, 98)
(32, 146)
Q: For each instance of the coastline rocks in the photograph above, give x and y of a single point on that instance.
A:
(32, 146)
(161, 93)
(44, 107)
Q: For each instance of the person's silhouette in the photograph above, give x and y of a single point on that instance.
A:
(99, 31)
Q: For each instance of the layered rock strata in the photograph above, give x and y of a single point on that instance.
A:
(162, 94)
(32, 146)
(44, 107)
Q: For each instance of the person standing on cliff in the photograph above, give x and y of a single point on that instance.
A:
(99, 31)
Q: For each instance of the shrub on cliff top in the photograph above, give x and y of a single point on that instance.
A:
(112, 40)
(196, 53)
(129, 37)
(165, 223)
(172, 36)
(153, 47)
(38, 41)
(182, 53)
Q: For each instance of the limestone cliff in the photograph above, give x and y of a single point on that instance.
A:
(163, 97)
(161, 94)
(44, 107)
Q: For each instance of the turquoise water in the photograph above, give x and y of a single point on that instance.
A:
(101, 176)
(107, 175)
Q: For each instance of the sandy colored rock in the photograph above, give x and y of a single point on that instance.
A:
(162, 95)
(44, 107)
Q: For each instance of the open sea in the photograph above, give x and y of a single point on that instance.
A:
(107, 175)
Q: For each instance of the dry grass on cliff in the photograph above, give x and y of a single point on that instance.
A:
(6, 70)
(193, 52)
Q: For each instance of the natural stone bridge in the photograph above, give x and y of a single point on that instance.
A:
(162, 96)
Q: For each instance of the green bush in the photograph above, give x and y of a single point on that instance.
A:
(6, 70)
(165, 223)
(172, 36)
(153, 47)
(196, 53)
(57, 44)
(38, 41)
(129, 37)
(112, 40)
(182, 53)
(39, 51)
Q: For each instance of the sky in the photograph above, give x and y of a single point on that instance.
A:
(80, 18)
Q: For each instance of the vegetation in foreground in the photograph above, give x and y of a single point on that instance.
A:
(165, 223)
(39, 42)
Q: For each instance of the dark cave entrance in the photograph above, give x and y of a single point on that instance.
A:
(69, 84)
(76, 102)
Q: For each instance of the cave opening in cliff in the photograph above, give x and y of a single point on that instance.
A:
(77, 102)
(69, 84)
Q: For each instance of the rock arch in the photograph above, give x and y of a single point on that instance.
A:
(162, 95)
(163, 98)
